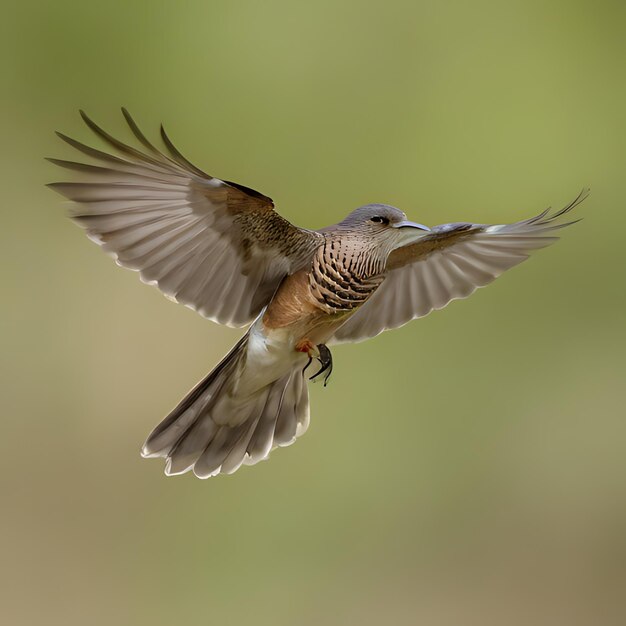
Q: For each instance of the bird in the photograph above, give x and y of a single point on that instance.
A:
(221, 249)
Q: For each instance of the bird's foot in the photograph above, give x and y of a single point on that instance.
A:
(321, 353)
(326, 360)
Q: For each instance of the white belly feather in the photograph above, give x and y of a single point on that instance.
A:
(270, 355)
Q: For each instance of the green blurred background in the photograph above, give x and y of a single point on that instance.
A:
(466, 469)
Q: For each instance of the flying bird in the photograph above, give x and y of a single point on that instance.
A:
(221, 249)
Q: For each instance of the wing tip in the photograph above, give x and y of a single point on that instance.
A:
(57, 187)
(86, 118)
(583, 194)
(63, 136)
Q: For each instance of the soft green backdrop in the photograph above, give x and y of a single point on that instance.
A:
(467, 469)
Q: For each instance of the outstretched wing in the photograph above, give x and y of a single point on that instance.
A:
(213, 245)
(449, 262)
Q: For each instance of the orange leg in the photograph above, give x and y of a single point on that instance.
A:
(308, 347)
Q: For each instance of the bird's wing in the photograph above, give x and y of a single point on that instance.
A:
(213, 245)
(449, 262)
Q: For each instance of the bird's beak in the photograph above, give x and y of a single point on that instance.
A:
(411, 231)
(407, 224)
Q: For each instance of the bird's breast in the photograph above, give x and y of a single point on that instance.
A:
(316, 300)
(343, 278)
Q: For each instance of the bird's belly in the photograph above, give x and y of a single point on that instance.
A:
(270, 355)
(322, 328)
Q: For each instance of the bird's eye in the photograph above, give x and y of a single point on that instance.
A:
(377, 219)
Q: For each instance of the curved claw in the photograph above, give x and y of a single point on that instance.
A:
(326, 360)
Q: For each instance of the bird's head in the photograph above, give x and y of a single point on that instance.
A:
(384, 225)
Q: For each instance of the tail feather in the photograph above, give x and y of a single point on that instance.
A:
(211, 459)
(213, 433)
(261, 442)
(296, 396)
(238, 452)
(185, 416)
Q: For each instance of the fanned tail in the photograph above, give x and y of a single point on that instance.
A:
(214, 431)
